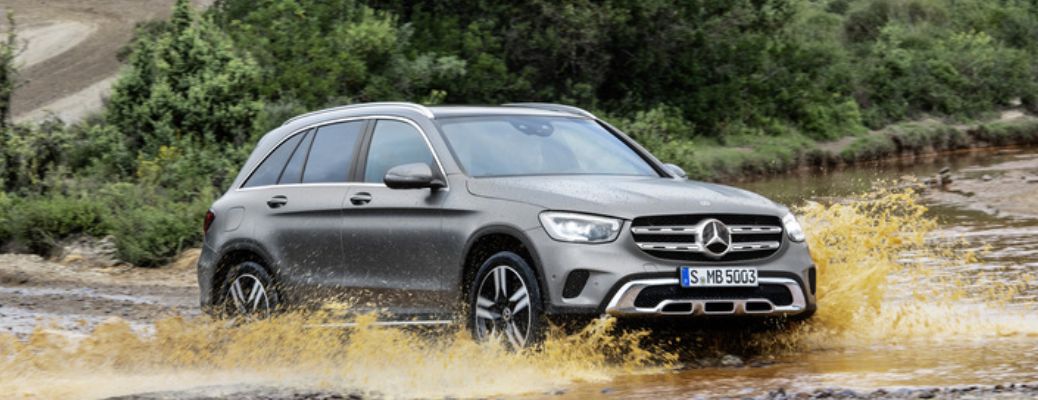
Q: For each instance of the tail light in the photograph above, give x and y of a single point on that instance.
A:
(209, 217)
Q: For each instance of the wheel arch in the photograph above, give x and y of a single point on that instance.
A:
(493, 239)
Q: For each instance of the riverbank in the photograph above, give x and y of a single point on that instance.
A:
(757, 157)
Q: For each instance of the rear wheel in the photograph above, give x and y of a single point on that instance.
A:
(249, 291)
(504, 302)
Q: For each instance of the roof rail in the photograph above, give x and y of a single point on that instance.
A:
(417, 107)
(554, 107)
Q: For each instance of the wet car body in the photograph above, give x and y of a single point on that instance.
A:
(415, 250)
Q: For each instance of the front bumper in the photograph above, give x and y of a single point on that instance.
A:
(623, 303)
(618, 272)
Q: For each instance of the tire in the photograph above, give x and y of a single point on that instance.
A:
(514, 313)
(248, 292)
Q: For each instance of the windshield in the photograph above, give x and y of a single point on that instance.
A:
(528, 145)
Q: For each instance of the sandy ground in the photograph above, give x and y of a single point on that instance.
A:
(69, 60)
(37, 292)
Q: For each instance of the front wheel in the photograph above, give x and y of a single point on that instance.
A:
(249, 291)
(505, 301)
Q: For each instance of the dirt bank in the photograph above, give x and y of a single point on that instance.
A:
(70, 54)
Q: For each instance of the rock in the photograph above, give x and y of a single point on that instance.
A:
(89, 252)
(986, 178)
(731, 361)
(607, 390)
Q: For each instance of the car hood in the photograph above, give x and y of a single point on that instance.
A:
(625, 197)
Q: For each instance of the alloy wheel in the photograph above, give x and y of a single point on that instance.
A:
(503, 307)
(249, 296)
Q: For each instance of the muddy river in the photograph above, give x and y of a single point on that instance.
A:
(922, 295)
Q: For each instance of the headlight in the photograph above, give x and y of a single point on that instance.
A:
(793, 229)
(570, 227)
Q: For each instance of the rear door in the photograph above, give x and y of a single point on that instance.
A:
(392, 238)
(302, 225)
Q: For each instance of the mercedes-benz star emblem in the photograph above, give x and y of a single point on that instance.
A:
(714, 238)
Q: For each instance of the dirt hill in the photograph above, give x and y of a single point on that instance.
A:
(69, 60)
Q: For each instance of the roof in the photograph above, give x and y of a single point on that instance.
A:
(540, 109)
(468, 111)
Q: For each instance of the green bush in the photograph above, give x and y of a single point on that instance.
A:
(6, 203)
(152, 235)
(962, 75)
(917, 137)
(1020, 131)
(188, 82)
(28, 154)
(38, 223)
(868, 148)
(150, 225)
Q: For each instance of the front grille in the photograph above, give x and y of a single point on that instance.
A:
(675, 237)
(651, 296)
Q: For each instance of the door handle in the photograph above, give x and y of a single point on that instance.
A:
(361, 198)
(277, 201)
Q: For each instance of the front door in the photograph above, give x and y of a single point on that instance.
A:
(393, 238)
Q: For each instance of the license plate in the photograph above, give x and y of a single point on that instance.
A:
(718, 277)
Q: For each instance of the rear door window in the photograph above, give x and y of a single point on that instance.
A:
(331, 152)
(394, 143)
(268, 171)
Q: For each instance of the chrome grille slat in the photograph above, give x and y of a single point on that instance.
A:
(665, 230)
(754, 246)
(753, 229)
(671, 246)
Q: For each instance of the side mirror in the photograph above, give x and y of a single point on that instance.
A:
(676, 171)
(412, 176)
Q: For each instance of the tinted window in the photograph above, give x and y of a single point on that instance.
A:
(293, 172)
(332, 152)
(394, 143)
(527, 145)
(268, 171)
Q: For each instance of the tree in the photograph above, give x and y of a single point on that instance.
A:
(317, 52)
(187, 83)
(8, 72)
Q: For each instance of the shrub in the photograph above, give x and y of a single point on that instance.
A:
(30, 154)
(1020, 131)
(37, 223)
(917, 137)
(911, 71)
(150, 225)
(6, 203)
(869, 147)
(189, 82)
(151, 235)
(8, 71)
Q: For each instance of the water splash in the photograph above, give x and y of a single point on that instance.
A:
(284, 351)
(879, 279)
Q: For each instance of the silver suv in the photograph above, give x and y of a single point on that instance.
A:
(500, 215)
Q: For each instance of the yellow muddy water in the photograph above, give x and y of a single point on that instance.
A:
(906, 300)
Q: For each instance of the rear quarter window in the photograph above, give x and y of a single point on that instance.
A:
(270, 169)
